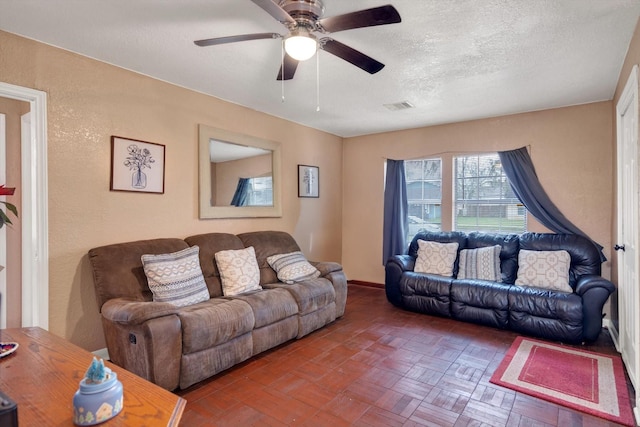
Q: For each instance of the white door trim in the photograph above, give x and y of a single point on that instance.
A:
(628, 334)
(3, 230)
(34, 215)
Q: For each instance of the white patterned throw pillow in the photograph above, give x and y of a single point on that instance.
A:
(544, 269)
(239, 271)
(176, 278)
(292, 267)
(480, 263)
(436, 258)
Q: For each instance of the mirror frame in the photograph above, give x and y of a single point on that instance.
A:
(206, 133)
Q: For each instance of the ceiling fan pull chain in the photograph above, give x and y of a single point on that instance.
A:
(317, 82)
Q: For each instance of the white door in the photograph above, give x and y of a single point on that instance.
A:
(627, 233)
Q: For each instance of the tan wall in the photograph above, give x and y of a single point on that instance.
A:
(570, 148)
(632, 58)
(88, 102)
(13, 110)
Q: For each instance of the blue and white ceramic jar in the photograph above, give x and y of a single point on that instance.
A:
(94, 403)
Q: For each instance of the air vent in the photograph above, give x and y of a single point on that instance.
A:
(404, 105)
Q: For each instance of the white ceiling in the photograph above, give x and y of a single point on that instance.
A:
(454, 60)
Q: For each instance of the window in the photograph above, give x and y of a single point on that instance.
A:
(424, 194)
(483, 198)
(260, 191)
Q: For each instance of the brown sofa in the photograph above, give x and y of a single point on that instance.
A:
(176, 347)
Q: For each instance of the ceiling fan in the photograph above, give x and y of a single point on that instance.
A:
(303, 18)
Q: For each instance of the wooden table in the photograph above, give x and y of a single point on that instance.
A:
(42, 376)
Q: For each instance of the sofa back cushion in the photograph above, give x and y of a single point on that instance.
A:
(118, 272)
(267, 243)
(508, 253)
(585, 256)
(442, 237)
(209, 244)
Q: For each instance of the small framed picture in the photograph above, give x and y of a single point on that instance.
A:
(308, 181)
(136, 166)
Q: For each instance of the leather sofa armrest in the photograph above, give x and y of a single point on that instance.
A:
(327, 267)
(594, 291)
(393, 271)
(590, 281)
(403, 262)
(121, 310)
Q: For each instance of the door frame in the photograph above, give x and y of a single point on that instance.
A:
(35, 211)
(628, 100)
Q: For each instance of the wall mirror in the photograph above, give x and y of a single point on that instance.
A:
(239, 175)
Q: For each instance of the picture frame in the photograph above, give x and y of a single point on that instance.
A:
(308, 181)
(137, 166)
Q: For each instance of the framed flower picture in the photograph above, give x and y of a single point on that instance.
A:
(308, 181)
(136, 166)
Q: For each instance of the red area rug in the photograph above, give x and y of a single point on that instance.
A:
(578, 379)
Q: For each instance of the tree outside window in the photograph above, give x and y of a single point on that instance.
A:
(483, 198)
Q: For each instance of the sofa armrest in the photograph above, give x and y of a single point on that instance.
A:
(590, 281)
(393, 269)
(403, 262)
(121, 310)
(326, 268)
(594, 291)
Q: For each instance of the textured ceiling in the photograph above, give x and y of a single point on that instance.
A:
(454, 60)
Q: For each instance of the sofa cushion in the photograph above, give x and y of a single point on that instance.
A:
(292, 267)
(213, 323)
(267, 243)
(238, 270)
(436, 258)
(546, 313)
(269, 305)
(481, 302)
(480, 263)
(118, 272)
(426, 293)
(310, 295)
(176, 277)
(544, 269)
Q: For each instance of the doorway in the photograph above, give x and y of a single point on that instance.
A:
(627, 232)
(35, 253)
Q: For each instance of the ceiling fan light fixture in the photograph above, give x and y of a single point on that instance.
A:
(301, 45)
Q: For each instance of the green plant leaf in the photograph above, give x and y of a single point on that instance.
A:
(12, 208)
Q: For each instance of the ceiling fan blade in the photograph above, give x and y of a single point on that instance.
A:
(351, 55)
(276, 11)
(288, 68)
(364, 18)
(233, 39)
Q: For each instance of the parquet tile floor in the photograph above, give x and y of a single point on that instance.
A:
(379, 366)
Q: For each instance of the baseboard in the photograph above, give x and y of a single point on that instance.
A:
(102, 353)
(613, 332)
(368, 284)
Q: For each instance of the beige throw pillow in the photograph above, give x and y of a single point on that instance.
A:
(480, 263)
(239, 271)
(292, 267)
(176, 278)
(436, 258)
(544, 269)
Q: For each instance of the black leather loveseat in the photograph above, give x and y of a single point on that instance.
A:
(569, 316)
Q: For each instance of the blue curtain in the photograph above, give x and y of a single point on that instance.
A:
(518, 167)
(241, 196)
(396, 207)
